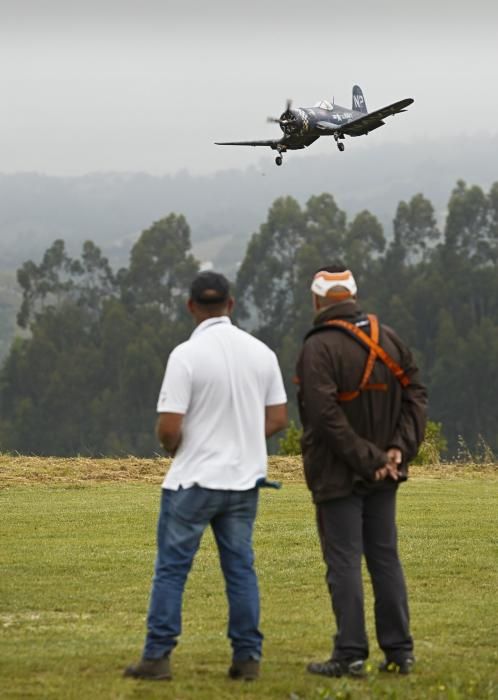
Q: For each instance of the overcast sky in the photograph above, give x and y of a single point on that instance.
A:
(108, 85)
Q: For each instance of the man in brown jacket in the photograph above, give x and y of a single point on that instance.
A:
(363, 411)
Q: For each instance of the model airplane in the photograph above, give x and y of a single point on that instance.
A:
(304, 125)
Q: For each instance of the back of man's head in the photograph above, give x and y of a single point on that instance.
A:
(333, 283)
(210, 292)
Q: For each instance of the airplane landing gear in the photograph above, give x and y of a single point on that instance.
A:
(340, 145)
(281, 148)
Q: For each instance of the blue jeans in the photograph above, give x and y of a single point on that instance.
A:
(184, 516)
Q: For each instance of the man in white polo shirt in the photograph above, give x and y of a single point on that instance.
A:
(222, 395)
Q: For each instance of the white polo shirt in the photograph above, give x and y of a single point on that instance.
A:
(221, 379)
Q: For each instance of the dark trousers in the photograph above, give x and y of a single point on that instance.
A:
(364, 523)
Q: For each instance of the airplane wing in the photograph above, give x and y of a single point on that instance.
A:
(372, 120)
(367, 122)
(273, 143)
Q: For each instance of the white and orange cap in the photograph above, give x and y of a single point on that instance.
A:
(325, 284)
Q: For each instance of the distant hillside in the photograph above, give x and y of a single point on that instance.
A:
(225, 208)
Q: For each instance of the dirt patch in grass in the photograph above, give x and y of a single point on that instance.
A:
(19, 470)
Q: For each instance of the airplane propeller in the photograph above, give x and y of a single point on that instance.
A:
(281, 120)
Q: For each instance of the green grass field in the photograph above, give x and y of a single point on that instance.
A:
(76, 561)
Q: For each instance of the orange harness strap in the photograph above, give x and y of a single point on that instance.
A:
(376, 351)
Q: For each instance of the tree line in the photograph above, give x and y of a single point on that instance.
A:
(86, 379)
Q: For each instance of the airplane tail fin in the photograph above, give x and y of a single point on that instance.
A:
(359, 104)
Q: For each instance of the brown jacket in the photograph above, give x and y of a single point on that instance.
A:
(345, 442)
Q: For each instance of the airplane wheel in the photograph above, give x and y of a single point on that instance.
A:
(278, 160)
(340, 146)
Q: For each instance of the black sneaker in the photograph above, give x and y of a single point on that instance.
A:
(150, 669)
(335, 668)
(246, 670)
(405, 666)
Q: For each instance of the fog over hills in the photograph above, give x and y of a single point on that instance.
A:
(225, 208)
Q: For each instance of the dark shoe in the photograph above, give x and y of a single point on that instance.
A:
(246, 670)
(405, 666)
(336, 668)
(150, 669)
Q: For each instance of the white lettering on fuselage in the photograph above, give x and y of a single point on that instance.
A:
(342, 117)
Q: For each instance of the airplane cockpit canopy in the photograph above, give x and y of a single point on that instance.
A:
(324, 104)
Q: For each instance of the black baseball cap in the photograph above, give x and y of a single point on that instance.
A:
(210, 288)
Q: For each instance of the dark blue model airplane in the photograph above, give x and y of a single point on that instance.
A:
(304, 125)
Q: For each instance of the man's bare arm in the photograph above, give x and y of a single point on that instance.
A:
(169, 430)
(275, 418)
